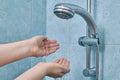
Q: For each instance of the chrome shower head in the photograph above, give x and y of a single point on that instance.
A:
(67, 11)
(63, 12)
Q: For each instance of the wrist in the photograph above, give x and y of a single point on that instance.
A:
(31, 46)
(28, 46)
(42, 66)
(49, 67)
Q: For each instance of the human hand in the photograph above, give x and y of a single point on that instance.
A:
(42, 69)
(41, 46)
(59, 68)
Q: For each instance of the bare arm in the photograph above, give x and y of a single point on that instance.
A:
(35, 73)
(35, 46)
(54, 69)
(14, 51)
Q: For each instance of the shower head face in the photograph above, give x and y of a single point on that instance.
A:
(63, 12)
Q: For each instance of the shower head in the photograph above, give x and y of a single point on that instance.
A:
(63, 12)
(67, 11)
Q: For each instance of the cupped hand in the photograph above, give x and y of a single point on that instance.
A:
(41, 46)
(59, 68)
(42, 69)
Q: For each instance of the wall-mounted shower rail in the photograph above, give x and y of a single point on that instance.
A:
(95, 70)
(89, 6)
(88, 48)
(67, 11)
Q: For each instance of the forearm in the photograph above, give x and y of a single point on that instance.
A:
(36, 73)
(42, 69)
(13, 51)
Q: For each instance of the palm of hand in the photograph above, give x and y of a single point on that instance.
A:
(43, 47)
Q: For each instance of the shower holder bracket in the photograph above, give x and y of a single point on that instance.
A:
(89, 72)
(88, 41)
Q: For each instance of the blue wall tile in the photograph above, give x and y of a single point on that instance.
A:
(111, 62)
(15, 20)
(38, 17)
(111, 21)
(21, 19)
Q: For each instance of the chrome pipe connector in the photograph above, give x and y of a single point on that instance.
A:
(86, 41)
(89, 72)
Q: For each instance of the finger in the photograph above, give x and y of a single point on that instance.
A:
(52, 45)
(52, 41)
(64, 62)
(57, 61)
(52, 50)
(61, 60)
(67, 63)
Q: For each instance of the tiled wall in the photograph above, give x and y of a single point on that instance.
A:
(111, 26)
(20, 19)
(67, 32)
